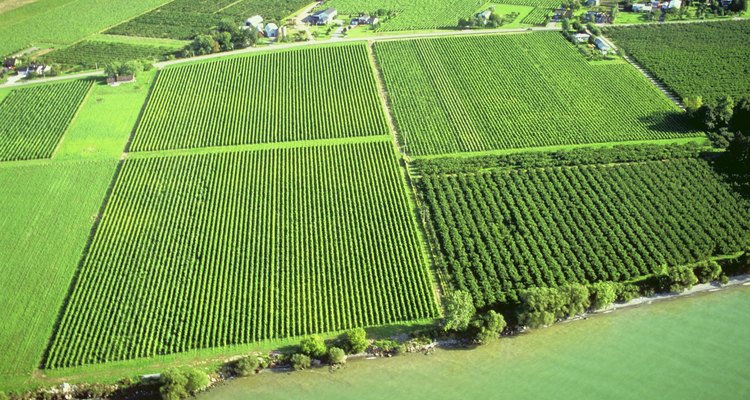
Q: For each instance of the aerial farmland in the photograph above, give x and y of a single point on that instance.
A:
(197, 194)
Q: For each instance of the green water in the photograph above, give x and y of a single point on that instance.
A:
(689, 348)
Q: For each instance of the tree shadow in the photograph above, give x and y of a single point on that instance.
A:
(670, 121)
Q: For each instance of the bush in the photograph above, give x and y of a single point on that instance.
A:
(300, 361)
(681, 278)
(313, 346)
(3, 396)
(459, 309)
(176, 384)
(626, 292)
(488, 327)
(708, 272)
(336, 356)
(356, 340)
(246, 366)
(603, 294)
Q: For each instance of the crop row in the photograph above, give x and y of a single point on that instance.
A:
(505, 230)
(93, 53)
(212, 250)
(412, 15)
(285, 96)
(537, 16)
(516, 91)
(707, 60)
(33, 120)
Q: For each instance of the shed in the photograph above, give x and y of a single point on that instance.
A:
(9, 63)
(582, 37)
(484, 16)
(255, 21)
(324, 17)
(271, 30)
(601, 45)
(592, 3)
(675, 4)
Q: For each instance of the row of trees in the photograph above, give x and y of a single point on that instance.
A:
(227, 36)
(728, 124)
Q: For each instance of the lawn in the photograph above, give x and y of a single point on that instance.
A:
(64, 21)
(703, 59)
(325, 92)
(201, 251)
(46, 214)
(469, 94)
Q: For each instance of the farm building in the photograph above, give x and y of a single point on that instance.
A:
(9, 63)
(675, 4)
(324, 17)
(601, 45)
(642, 7)
(484, 16)
(592, 3)
(115, 80)
(364, 20)
(271, 30)
(255, 22)
(582, 37)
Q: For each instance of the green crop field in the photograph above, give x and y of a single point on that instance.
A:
(46, 215)
(64, 21)
(537, 16)
(327, 92)
(531, 223)
(33, 120)
(94, 53)
(211, 250)
(183, 19)
(412, 15)
(515, 91)
(706, 59)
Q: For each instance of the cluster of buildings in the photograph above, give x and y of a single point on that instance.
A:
(269, 30)
(14, 64)
(656, 5)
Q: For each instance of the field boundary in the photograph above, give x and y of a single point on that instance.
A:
(73, 118)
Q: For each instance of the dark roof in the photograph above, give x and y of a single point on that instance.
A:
(9, 62)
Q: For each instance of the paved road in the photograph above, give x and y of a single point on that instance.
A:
(282, 46)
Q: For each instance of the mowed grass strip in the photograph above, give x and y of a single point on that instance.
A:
(516, 91)
(46, 215)
(505, 229)
(320, 93)
(212, 250)
(33, 120)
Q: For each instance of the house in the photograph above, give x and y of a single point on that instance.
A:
(638, 7)
(602, 45)
(324, 17)
(271, 30)
(9, 63)
(592, 3)
(560, 14)
(655, 4)
(675, 4)
(582, 37)
(364, 20)
(484, 17)
(116, 80)
(254, 22)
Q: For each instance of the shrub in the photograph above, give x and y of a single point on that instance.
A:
(626, 292)
(246, 366)
(313, 346)
(356, 340)
(488, 327)
(603, 294)
(173, 385)
(300, 361)
(708, 271)
(681, 278)
(459, 309)
(336, 356)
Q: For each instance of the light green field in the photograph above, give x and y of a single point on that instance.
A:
(105, 121)
(689, 348)
(42, 238)
(64, 21)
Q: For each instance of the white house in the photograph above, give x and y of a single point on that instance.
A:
(582, 37)
(675, 4)
(255, 21)
(592, 3)
(271, 30)
(601, 45)
(638, 7)
(484, 16)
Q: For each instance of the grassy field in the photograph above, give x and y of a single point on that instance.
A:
(213, 250)
(105, 121)
(516, 91)
(505, 225)
(33, 120)
(706, 59)
(47, 214)
(64, 21)
(325, 92)
(631, 354)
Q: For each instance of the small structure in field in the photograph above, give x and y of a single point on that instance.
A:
(10, 63)
(364, 20)
(592, 3)
(484, 16)
(271, 30)
(254, 22)
(119, 79)
(638, 7)
(324, 17)
(602, 45)
(675, 4)
(582, 37)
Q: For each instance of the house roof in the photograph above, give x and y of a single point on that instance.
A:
(601, 44)
(325, 13)
(486, 13)
(255, 20)
(271, 26)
